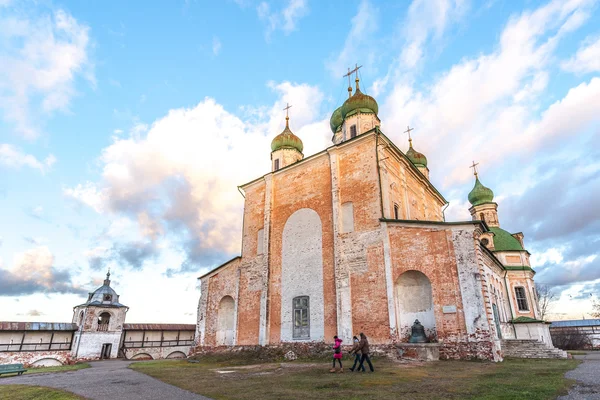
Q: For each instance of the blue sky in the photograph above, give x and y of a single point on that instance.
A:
(124, 130)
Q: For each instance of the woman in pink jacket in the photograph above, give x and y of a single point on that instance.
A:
(337, 354)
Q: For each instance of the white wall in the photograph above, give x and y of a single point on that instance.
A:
(302, 272)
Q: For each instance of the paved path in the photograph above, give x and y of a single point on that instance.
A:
(107, 380)
(587, 375)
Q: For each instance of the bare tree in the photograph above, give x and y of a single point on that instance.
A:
(545, 296)
(596, 308)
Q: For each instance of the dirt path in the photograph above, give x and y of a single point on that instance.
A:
(106, 380)
(587, 375)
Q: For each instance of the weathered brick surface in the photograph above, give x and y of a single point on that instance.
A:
(30, 357)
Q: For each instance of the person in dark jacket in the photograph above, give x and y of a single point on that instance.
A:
(357, 354)
(363, 346)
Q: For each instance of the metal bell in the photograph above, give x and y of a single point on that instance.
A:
(417, 333)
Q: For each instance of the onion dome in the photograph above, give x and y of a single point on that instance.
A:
(287, 140)
(359, 102)
(415, 157)
(480, 194)
(336, 119)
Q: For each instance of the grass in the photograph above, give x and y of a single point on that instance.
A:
(234, 379)
(60, 368)
(577, 352)
(24, 392)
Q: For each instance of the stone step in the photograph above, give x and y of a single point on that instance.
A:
(529, 348)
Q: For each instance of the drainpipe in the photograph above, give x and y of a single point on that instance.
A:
(509, 304)
(444, 209)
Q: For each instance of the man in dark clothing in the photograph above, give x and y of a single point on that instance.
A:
(363, 347)
(357, 354)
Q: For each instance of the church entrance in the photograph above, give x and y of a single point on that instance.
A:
(225, 322)
(414, 300)
(105, 353)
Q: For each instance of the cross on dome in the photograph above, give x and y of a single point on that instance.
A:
(474, 166)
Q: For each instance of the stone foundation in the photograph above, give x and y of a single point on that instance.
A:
(36, 358)
(419, 351)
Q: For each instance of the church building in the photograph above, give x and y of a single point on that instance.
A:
(354, 239)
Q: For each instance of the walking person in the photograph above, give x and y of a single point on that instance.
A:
(357, 354)
(363, 346)
(337, 354)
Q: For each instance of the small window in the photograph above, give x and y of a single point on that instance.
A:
(396, 211)
(485, 241)
(353, 131)
(276, 167)
(107, 297)
(521, 298)
(301, 317)
(481, 217)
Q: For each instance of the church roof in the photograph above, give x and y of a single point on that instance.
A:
(480, 194)
(359, 101)
(37, 326)
(504, 241)
(287, 139)
(415, 157)
(104, 296)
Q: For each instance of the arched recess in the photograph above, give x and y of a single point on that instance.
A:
(104, 321)
(414, 300)
(226, 322)
(80, 321)
(177, 354)
(142, 356)
(46, 362)
(302, 275)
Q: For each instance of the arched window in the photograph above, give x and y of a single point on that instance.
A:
(301, 315)
(481, 217)
(80, 319)
(352, 131)
(396, 211)
(103, 321)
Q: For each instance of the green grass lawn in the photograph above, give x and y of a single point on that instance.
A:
(231, 379)
(24, 392)
(61, 368)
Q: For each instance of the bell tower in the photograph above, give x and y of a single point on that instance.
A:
(286, 148)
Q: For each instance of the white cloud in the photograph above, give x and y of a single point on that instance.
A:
(286, 19)
(180, 178)
(428, 19)
(87, 194)
(13, 157)
(216, 46)
(485, 107)
(587, 58)
(359, 42)
(42, 55)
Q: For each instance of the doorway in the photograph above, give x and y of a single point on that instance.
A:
(106, 349)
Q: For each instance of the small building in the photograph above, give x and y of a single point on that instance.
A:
(576, 334)
(97, 331)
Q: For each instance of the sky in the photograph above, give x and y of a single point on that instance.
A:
(126, 127)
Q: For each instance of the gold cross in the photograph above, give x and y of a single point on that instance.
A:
(474, 166)
(286, 110)
(408, 129)
(350, 72)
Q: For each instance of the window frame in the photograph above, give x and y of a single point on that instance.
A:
(521, 299)
(396, 211)
(302, 332)
(276, 165)
(353, 131)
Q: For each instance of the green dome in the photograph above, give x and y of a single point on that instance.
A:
(336, 119)
(504, 241)
(416, 158)
(287, 139)
(359, 101)
(480, 194)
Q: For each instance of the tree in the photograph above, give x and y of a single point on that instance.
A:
(596, 308)
(546, 297)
